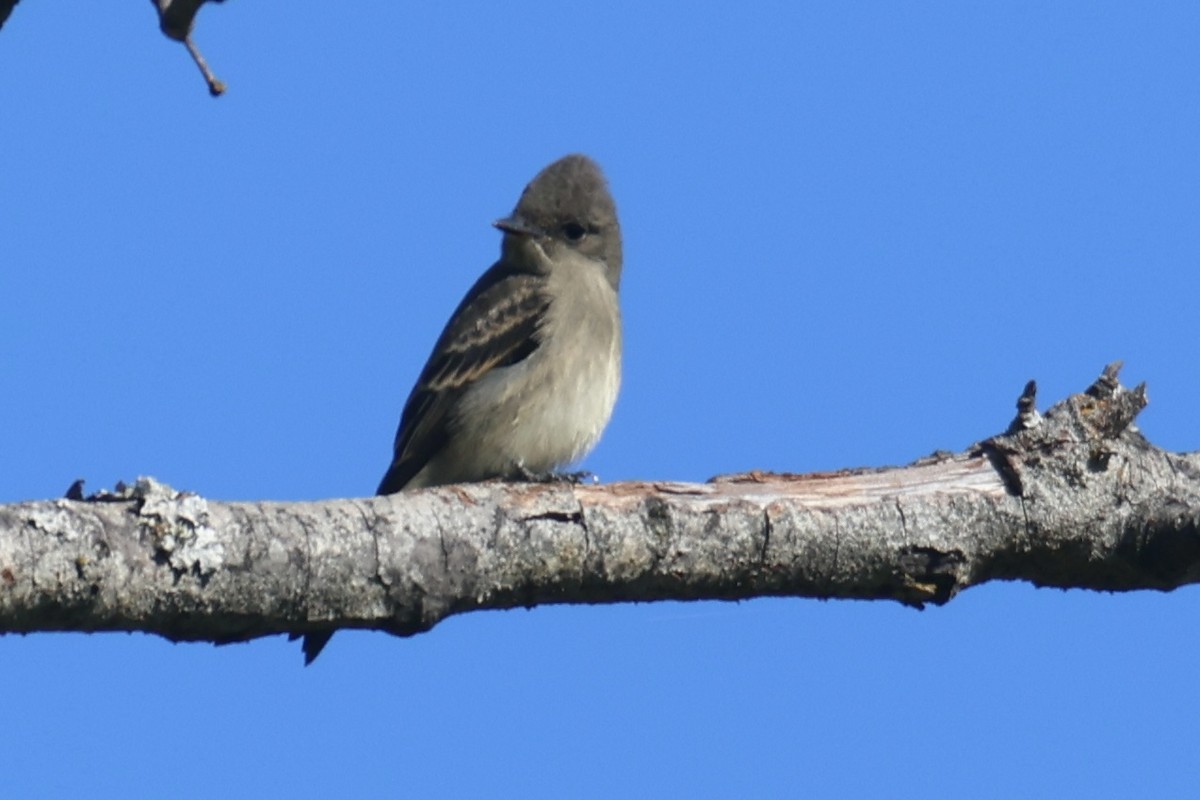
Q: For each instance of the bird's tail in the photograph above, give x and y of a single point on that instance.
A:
(398, 475)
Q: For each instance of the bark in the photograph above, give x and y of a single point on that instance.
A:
(1077, 498)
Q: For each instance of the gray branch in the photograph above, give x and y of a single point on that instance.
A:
(1074, 498)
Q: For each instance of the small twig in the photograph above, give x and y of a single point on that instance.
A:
(1027, 413)
(6, 8)
(175, 19)
(216, 87)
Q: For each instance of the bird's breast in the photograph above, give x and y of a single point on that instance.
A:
(550, 409)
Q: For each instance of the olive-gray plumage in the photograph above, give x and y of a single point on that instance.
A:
(525, 374)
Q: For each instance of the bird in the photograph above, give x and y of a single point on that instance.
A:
(525, 374)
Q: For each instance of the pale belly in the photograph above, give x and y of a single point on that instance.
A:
(550, 409)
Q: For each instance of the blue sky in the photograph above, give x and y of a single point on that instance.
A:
(852, 234)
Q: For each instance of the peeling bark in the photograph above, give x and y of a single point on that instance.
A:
(1077, 498)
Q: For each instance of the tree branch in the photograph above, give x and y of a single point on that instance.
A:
(175, 20)
(1077, 498)
(6, 8)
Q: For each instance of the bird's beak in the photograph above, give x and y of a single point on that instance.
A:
(518, 227)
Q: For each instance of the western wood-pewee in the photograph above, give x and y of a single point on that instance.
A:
(525, 374)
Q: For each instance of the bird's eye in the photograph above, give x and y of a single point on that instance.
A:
(574, 231)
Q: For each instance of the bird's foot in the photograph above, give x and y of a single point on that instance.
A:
(573, 478)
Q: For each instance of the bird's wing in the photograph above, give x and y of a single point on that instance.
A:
(496, 325)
